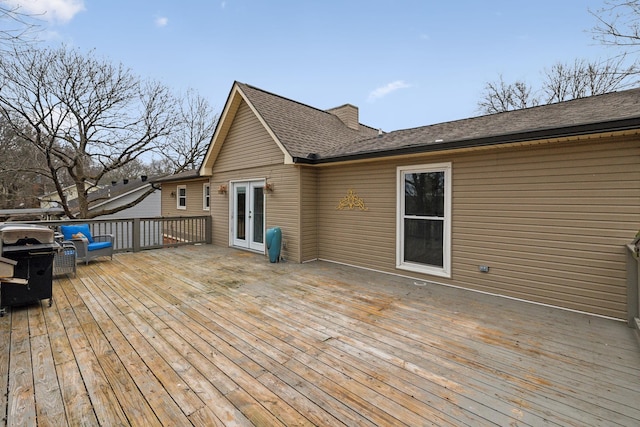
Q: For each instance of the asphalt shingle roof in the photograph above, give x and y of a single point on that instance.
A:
(114, 189)
(300, 128)
(303, 129)
(184, 175)
(553, 119)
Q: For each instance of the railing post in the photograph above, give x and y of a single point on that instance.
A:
(208, 229)
(633, 290)
(136, 235)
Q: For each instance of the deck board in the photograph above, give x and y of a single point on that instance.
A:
(208, 336)
(21, 394)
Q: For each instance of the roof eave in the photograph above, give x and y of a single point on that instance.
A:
(495, 140)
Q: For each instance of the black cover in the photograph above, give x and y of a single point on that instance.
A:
(37, 269)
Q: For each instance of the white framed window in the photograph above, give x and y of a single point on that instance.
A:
(206, 196)
(181, 197)
(423, 241)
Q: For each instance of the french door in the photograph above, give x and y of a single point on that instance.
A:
(247, 215)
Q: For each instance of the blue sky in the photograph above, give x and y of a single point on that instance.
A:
(404, 63)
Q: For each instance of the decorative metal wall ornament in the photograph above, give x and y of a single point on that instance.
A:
(351, 201)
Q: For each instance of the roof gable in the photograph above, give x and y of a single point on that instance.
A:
(298, 129)
(236, 96)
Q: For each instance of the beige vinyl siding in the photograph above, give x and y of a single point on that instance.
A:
(551, 224)
(309, 213)
(281, 205)
(247, 145)
(249, 153)
(283, 209)
(194, 207)
(364, 238)
(550, 221)
(220, 212)
(194, 198)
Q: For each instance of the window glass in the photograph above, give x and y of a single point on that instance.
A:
(424, 194)
(241, 203)
(206, 203)
(423, 241)
(424, 230)
(182, 197)
(258, 214)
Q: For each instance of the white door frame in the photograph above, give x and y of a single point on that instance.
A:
(245, 232)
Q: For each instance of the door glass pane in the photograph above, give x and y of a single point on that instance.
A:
(258, 215)
(424, 194)
(424, 241)
(241, 214)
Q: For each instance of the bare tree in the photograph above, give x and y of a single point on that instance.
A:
(500, 96)
(564, 82)
(133, 169)
(85, 115)
(19, 185)
(189, 142)
(561, 82)
(618, 23)
(16, 27)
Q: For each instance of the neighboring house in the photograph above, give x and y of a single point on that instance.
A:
(536, 204)
(122, 193)
(31, 214)
(106, 197)
(52, 200)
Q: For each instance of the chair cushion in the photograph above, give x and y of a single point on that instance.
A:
(98, 245)
(69, 230)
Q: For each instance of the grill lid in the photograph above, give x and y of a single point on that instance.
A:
(12, 234)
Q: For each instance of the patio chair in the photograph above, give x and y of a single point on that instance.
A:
(88, 246)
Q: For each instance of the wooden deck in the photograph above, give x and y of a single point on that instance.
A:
(217, 337)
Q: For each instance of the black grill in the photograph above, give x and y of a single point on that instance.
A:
(32, 247)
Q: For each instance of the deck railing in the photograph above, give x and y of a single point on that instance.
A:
(633, 288)
(136, 234)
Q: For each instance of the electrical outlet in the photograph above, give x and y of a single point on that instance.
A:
(483, 268)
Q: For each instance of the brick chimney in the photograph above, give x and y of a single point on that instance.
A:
(348, 114)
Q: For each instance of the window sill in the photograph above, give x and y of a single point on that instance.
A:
(423, 269)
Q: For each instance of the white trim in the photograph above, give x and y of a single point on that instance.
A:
(249, 245)
(178, 188)
(445, 270)
(206, 197)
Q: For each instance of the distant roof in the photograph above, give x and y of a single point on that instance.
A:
(315, 136)
(30, 213)
(114, 190)
(180, 176)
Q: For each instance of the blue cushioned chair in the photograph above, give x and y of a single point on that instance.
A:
(88, 246)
